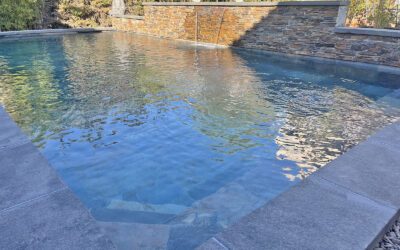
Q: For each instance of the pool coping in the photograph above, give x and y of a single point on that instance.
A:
(48, 32)
(37, 209)
(354, 198)
(316, 59)
(368, 31)
(251, 4)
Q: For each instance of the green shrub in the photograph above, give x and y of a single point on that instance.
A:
(19, 14)
(84, 13)
(373, 13)
(383, 17)
(101, 3)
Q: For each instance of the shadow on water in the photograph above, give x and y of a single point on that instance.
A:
(175, 142)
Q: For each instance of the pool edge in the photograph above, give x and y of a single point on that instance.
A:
(334, 180)
(332, 209)
(37, 209)
(49, 32)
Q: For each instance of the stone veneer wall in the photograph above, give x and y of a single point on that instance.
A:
(301, 28)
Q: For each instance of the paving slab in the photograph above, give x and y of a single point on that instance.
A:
(372, 168)
(37, 210)
(388, 136)
(25, 175)
(57, 221)
(316, 214)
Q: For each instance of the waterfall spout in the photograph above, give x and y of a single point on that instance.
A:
(118, 8)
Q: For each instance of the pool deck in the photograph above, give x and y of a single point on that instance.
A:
(37, 210)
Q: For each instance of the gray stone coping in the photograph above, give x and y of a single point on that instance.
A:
(249, 4)
(385, 69)
(37, 210)
(368, 32)
(43, 32)
(348, 204)
(135, 17)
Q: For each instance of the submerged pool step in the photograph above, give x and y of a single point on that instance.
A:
(142, 207)
(391, 102)
(136, 235)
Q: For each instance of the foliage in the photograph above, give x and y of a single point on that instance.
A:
(29, 14)
(19, 14)
(383, 16)
(84, 13)
(373, 13)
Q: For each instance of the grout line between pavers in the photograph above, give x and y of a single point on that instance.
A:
(359, 194)
(219, 243)
(31, 200)
(12, 146)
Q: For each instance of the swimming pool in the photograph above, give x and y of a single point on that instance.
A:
(168, 143)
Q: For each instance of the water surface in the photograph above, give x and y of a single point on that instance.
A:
(167, 143)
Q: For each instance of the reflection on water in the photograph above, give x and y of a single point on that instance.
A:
(178, 140)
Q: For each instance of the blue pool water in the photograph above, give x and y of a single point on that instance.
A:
(168, 143)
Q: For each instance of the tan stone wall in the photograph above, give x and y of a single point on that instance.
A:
(301, 30)
(215, 24)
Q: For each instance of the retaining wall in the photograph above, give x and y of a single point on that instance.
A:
(302, 28)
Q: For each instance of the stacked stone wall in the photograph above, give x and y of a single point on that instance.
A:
(295, 29)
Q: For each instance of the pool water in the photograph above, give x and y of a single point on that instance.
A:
(168, 143)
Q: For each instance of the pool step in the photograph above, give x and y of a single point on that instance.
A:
(136, 235)
(141, 207)
(392, 101)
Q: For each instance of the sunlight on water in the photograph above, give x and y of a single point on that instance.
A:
(175, 141)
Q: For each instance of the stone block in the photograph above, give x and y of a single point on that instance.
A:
(316, 214)
(57, 221)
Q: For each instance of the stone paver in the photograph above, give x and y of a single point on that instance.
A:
(37, 211)
(25, 175)
(313, 215)
(57, 221)
(372, 168)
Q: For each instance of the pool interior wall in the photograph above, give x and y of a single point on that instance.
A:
(176, 142)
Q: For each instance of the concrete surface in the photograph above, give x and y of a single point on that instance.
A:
(37, 210)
